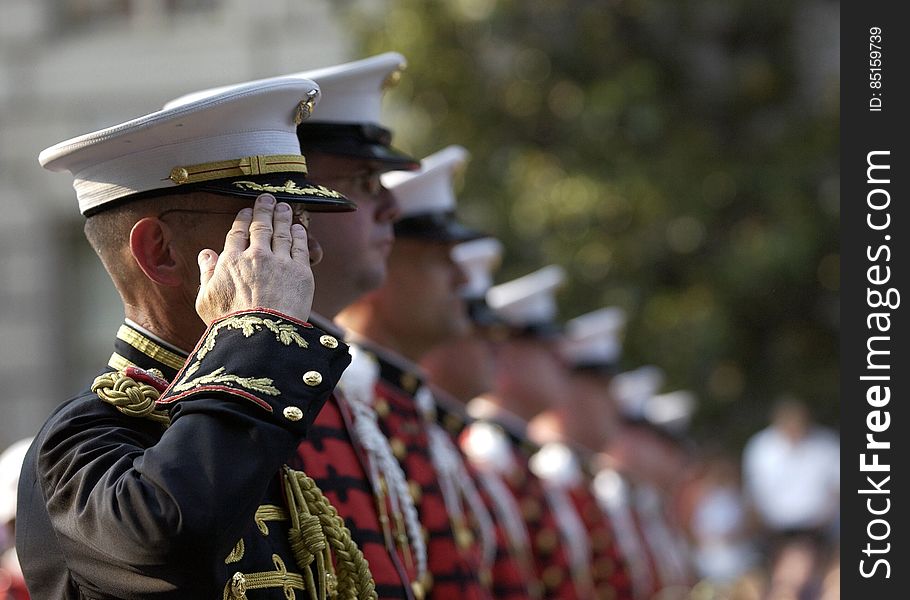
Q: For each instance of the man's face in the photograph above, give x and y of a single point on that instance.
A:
(463, 367)
(356, 245)
(534, 372)
(591, 410)
(421, 298)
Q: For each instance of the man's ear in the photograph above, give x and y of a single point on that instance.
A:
(151, 244)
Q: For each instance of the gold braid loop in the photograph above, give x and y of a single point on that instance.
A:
(352, 579)
(131, 397)
(307, 540)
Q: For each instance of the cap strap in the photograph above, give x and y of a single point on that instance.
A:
(248, 165)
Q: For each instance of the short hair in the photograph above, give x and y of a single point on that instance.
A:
(108, 231)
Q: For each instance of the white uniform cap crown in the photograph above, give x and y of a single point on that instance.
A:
(478, 260)
(634, 389)
(430, 189)
(672, 411)
(354, 89)
(251, 120)
(528, 300)
(594, 338)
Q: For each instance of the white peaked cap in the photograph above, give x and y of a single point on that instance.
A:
(355, 89)
(672, 411)
(634, 389)
(528, 300)
(431, 188)
(245, 122)
(478, 259)
(594, 339)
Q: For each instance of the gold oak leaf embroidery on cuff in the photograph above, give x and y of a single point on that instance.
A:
(263, 385)
(285, 333)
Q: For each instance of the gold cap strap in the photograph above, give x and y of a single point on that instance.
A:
(248, 165)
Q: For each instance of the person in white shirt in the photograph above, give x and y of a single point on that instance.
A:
(791, 474)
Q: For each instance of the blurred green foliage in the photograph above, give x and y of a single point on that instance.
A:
(667, 154)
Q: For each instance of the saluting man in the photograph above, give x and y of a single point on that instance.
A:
(418, 307)
(168, 478)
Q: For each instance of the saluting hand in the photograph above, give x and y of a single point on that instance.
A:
(265, 264)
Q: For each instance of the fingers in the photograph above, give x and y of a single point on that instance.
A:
(261, 225)
(281, 224)
(238, 237)
(299, 249)
(207, 260)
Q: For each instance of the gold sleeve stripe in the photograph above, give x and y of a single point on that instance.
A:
(150, 348)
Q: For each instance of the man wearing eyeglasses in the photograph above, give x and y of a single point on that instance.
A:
(169, 476)
(347, 149)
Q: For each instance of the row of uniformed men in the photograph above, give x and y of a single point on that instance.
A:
(460, 446)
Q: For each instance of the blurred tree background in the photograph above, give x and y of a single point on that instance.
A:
(678, 158)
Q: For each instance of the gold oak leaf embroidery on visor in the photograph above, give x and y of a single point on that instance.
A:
(289, 187)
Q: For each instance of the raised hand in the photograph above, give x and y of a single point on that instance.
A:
(265, 264)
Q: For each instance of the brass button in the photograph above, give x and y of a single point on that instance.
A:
(312, 378)
(417, 589)
(179, 175)
(398, 448)
(292, 413)
(328, 341)
(546, 541)
(238, 584)
(552, 576)
(464, 537)
(381, 407)
(409, 382)
(415, 491)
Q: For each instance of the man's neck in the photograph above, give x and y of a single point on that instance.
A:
(490, 407)
(165, 329)
(363, 324)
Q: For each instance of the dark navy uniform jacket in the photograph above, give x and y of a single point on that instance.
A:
(119, 506)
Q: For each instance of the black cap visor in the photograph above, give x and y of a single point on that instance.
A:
(436, 227)
(365, 141)
(293, 188)
(290, 187)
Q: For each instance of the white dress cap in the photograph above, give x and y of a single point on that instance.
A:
(634, 389)
(672, 411)
(356, 88)
(247, 130)
(529, 300)
(478, 260)
(593, 339)
(429, 190)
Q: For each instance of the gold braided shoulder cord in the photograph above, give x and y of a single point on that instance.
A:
(317, 531)
(130, 397)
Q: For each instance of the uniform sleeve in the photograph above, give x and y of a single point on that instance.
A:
(126, 499)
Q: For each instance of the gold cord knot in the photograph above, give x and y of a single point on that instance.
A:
(131, 397)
